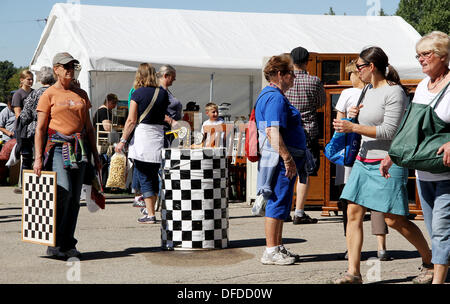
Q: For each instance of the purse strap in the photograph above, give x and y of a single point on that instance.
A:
(150, 106)
(439, 96)
(361, 98)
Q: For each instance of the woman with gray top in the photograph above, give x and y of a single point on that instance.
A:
(380, 114)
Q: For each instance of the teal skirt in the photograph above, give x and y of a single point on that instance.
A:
(366, 187)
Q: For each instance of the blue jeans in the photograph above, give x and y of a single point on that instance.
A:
(146, 178)
(69, 183)
(435, 201)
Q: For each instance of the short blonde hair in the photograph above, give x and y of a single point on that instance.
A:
(351, 67)
(210, 106)
(436, 41)
(145, 76)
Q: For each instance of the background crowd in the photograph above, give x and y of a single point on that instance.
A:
(52, 130)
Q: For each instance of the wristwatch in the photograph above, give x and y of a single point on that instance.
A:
(123, 140)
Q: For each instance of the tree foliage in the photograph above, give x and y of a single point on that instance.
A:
(330, 12)
(7, 81)
(426, 15)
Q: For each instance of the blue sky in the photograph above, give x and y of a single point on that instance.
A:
(21, 22)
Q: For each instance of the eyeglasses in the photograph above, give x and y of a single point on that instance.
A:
(359, 67)
(425, 55)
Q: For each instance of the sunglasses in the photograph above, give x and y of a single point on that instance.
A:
(359, 67)
(70, 66)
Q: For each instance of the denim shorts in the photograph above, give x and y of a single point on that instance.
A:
(435, 201)
(145, 178)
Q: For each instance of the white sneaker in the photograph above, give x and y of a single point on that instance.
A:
(139, 202)
(289, 254)
(144, 211)
(277, 258)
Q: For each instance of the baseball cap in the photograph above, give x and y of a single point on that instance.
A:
(299, 55)
(63, 58)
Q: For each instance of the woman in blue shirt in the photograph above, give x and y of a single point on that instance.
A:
(282, 145)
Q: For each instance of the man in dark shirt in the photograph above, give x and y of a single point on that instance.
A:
(103, 116)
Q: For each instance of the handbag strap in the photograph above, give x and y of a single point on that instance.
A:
(150, 106)
(361, 98)
(439, 96)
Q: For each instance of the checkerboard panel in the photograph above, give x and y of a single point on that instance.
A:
(195, 203)
(39, 208)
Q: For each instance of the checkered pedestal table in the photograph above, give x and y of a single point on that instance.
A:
(194, 213)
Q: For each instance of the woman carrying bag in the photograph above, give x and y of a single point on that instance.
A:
(433, 95)
(147, 114)
(379, 118)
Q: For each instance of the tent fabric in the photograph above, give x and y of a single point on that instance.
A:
(231, 45)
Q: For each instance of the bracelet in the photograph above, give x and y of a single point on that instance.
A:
(124, 141)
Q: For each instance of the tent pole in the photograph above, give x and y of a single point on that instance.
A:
(211, 88)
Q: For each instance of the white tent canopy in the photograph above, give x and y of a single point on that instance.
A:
(110, 42)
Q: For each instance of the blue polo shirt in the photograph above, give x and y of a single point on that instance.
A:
(274, 109)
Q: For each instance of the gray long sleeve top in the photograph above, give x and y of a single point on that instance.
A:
(384, 108)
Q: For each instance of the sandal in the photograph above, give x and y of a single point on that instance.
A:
(348, 278)
(426, 274)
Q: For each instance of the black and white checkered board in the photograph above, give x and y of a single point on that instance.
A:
(39, 208)
(195, 202)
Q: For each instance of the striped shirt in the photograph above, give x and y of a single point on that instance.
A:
(307, 95)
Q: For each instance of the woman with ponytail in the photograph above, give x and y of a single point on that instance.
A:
(379, 116)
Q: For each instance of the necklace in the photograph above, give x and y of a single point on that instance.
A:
(437, 82)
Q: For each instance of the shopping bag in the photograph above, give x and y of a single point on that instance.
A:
(343, 148)
(117, 171)
(419, 136)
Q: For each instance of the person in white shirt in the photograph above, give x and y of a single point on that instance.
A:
(433, 54)
(212, 111)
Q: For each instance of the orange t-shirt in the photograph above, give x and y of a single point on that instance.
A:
(67, 109)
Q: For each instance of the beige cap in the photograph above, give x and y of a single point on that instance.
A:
(63, 58)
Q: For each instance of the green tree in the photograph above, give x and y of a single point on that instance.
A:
(7, 70)
(382, 13)
(331, 12)
(426, 15)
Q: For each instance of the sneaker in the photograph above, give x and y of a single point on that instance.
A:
(139, 202)
(289, 254)
(72, 253)
(144, 211)
(305, 219)
(54, 252)
(17, 190)
(147, 219)
(276, 258)
(425, 276)
(383, 255)
(288, 219)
